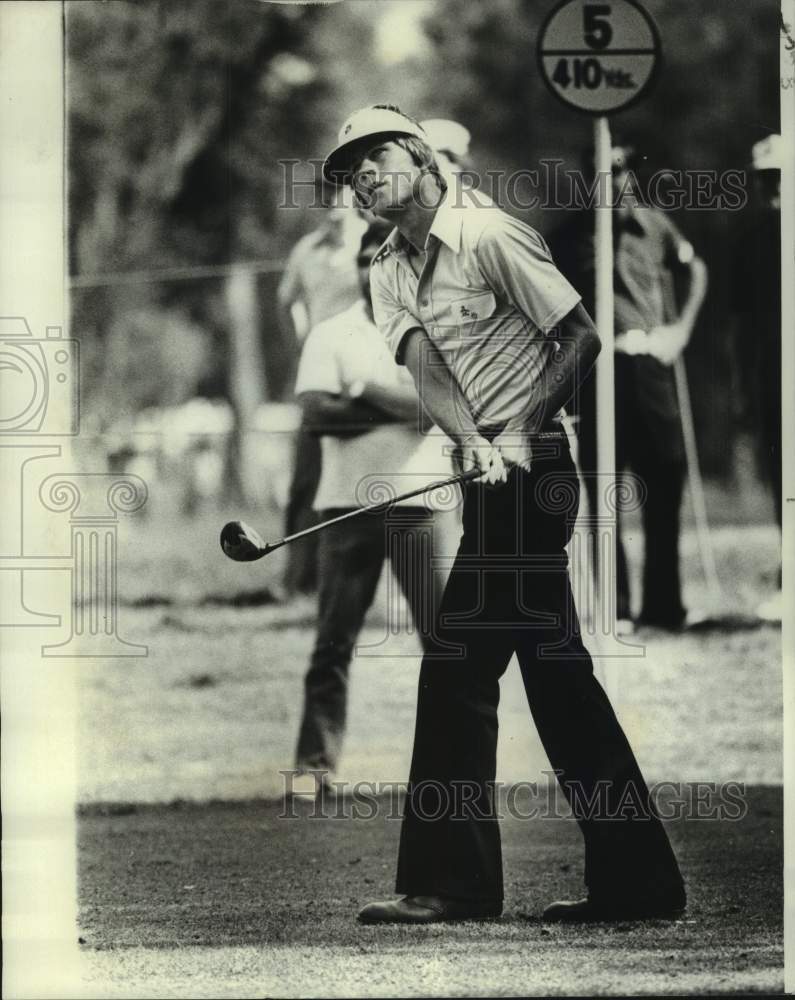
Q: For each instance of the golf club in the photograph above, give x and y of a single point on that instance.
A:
(243, 544)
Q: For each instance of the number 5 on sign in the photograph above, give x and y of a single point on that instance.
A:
(598, 57)
(597, 30)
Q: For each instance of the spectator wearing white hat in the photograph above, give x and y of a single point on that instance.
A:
(450, 142)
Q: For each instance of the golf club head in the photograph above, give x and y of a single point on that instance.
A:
(242, 543)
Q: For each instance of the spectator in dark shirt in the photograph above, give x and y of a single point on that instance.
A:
(651, 332)
(756, 286)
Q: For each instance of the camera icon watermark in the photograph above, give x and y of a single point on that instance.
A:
(39, 381)
(39, 400)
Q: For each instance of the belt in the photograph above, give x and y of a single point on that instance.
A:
(551, 429)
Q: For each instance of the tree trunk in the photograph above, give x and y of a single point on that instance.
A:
(246, 378)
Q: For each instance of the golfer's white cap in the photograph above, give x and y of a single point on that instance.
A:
(767, 153)
(447, 136)
(368, 125)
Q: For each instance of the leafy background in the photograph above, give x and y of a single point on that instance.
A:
(180, 112)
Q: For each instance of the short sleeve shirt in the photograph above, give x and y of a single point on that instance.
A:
(321, 273)
(389, 459)
(488, 296)
(649, 249)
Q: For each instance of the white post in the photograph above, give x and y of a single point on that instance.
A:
(787, 70)
(605, 382)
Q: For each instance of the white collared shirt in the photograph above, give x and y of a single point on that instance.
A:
(388, 459)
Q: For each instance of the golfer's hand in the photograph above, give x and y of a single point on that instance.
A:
(514, 449)
(479, 454)
(666, 343)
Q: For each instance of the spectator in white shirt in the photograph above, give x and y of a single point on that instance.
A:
(365, 410)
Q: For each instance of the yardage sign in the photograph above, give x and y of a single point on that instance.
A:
(598, 57)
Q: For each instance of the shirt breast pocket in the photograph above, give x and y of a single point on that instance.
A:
(467, 310)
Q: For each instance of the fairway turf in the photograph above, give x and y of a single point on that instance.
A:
(214, 709)
(235, 876)
(224, 899)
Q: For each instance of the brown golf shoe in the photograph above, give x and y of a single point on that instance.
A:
(428, 910)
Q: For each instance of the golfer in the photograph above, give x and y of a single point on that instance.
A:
(496, 340)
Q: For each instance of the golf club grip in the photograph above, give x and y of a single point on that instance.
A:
(462, 477)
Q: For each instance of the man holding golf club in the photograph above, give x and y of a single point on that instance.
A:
(496, 340)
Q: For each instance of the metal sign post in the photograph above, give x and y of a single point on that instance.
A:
(599, 58)
(605, 377)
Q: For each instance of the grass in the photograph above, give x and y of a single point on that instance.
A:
(278, 897)
(191, 885)
(213, 710)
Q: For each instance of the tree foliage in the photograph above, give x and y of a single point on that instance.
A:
(179, 113)
(717, 94)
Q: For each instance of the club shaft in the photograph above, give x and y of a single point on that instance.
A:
(372, 508)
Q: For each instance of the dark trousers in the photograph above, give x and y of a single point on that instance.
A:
(300, 572)
(649, 443)
(662, 587)
(350, 558)
(509, 592)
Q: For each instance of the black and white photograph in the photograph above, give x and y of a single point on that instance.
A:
(396, 582)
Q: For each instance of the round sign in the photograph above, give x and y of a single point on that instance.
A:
(598, 57)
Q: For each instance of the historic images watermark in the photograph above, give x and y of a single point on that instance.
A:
(551, 798)
(40, 406)
(590, 567)
(549, 186)
(593, 532)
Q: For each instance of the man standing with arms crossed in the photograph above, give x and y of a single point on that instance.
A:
(496, 340)
(319, 282)
(365, 410)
